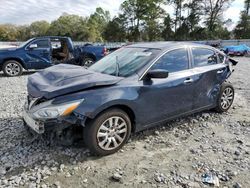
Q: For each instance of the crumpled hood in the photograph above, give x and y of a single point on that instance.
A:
(63, 79)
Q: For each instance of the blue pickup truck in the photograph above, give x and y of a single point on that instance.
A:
(43, 52)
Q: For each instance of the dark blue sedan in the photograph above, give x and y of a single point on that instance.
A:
(132, 89)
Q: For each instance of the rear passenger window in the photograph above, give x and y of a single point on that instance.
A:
(173, 61)
(221, 58)
(203, 57)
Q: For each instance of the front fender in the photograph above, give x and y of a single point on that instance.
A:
(19, 59)
(99, 100)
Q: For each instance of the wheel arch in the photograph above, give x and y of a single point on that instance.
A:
(19, 60)
(123, 107)
(89, 55)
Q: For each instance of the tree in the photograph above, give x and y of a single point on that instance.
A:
(167, 32)
(39, 28)
(141, 20)
(178, 5)
(23, 32)
(182, 33)
(190, 23)
(247, 6)
(133, 12)
(242, 29)
(115, 31)
(8, 32)
(214, 10)
(152, 28)
(194, 9)
(73, 26)
(97, 23)
(142, 17)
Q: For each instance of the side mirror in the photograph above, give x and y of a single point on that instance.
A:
(158, 73)
(32, 46)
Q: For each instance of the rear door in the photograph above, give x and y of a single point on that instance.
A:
(209, 71)
(39, 54)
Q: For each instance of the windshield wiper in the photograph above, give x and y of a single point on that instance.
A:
(117, 66)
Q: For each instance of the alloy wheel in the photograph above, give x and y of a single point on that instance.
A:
(227, 98)
(88, 62)
(12, 69)
(112, 133)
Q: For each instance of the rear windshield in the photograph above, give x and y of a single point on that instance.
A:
(125, 62)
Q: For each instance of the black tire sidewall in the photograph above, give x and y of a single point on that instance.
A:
(92, 127)
(12, 61)
(223, 87)
(85, 59)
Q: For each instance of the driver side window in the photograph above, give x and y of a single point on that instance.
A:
(41, 43)
(173, 61)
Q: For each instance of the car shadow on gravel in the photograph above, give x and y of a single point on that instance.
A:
(19, 150)
(25, 73)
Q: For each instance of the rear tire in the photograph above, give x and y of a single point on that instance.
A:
(12, 68)
(87, 61)
(108, 132)
(225, 98)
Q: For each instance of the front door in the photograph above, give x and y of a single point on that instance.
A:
(172, 96)
(39, 54)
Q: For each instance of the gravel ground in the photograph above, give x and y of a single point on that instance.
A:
(202, 150)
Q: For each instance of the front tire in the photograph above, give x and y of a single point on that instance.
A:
(226, 98)
(108, 132)
(12, 68)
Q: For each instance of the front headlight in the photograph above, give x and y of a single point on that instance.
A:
(53, 111)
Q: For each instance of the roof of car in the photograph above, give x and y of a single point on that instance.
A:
(51, 37)
(166, 45)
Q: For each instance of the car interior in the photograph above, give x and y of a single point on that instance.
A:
(60, 51)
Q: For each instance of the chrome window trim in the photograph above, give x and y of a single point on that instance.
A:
(165, 52)
(219, 53)
(203, 47)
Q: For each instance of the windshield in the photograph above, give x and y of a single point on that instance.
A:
(24, 43)
(125, 61)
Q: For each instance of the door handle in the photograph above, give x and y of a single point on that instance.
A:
(220, 71)
(188, 81)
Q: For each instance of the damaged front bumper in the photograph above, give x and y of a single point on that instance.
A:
(41, 125)
(37, 126)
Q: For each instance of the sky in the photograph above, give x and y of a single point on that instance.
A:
(22, 12)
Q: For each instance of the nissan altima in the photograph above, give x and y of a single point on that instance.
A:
(132, 89)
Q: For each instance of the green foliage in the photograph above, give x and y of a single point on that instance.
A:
(97, 23)
(23, 33)
(167, 32)
(8, 32)
(142, 17)
(69, 25)
(140, 20)
(39, 28)
(242, 30)
(213, 10)
(115, 30)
